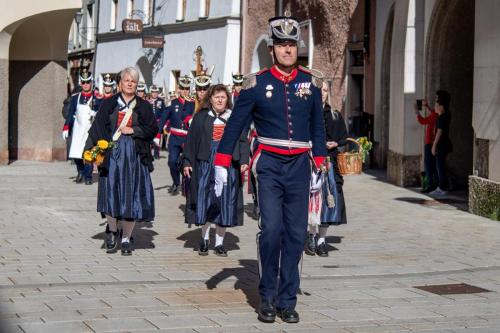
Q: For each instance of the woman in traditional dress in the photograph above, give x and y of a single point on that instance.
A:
(125, 191)
(327, 205)
(203, 139)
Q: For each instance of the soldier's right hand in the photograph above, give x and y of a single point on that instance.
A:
(65, 135)
(156, 142)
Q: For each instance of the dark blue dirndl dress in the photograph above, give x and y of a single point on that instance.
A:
(127, 192)
(333, 183)
(222, 210)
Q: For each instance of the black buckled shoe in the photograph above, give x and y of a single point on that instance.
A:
(88, 181)
(321, 250)
(311, 245)
(170, 188)
(267, 312)
(126, 249)
(111, 240)
(203, 249)
(220, 251)
(289, 316)
(79, 178)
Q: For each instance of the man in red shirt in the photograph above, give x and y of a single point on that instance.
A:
(429, 122)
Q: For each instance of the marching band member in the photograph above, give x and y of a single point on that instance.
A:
(125, 192)
(328, 202)
(82, 110)
(159, 106)
(203, 139)
(179, 114)
(285, 106)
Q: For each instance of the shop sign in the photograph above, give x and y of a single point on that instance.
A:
(130, 26)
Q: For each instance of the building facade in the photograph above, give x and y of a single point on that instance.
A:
(423, 46)
(183, 24)
(82, 40)
(335, 40)
(33, 55)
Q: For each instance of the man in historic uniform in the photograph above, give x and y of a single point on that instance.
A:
(237, 82)
(201, 84)
(108, 86)
(179, 114)
(82, 110)
(141, 90)
(159, 107)
(285, 105)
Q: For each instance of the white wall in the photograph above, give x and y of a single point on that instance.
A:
(486, 102)
(178, 53)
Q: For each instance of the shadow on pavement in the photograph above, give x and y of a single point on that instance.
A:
(142, 237)
(249, 209)
(247, 280)
(192, 239)
(456, 202)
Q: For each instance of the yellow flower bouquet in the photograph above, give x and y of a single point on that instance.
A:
(366, 146)
(96, 154)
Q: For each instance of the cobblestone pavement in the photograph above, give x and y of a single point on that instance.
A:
(56, 277)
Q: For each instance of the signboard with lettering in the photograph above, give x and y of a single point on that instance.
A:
(130, 26)
(153, 42)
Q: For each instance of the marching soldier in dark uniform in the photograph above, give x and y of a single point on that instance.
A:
(141, 90)
(159, 106)
(201, 84)
(285, 105)
(109, 85)
(82, 110)
(179, 114)
(237, 82)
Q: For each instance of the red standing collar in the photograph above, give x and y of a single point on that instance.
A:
(284, 78)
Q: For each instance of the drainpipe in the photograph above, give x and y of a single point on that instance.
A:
(98, 5)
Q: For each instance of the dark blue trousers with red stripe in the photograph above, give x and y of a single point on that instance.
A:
(283, 194)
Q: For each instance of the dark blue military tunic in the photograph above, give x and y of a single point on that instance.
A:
(178, 113)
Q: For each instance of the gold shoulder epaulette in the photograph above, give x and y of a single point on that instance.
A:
(317, 76)
(250, 80)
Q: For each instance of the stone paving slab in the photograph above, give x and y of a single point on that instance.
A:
(56, 277)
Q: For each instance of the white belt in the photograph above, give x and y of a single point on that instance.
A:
(178, 131)
(283, 143)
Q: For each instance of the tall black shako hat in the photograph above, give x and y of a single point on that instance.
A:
(108, 80)
(283, 29)
(184, 82)
(237, 79)
(85, 76)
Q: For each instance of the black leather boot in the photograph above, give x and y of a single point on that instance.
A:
(289, 316)
(311, 245)
(267, 312)
(79, 178)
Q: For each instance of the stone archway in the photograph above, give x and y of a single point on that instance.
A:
(261, 57)
(37, 85)
(450, 66)
(385, 95)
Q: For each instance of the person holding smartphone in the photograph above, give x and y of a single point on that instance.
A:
(429, 122)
